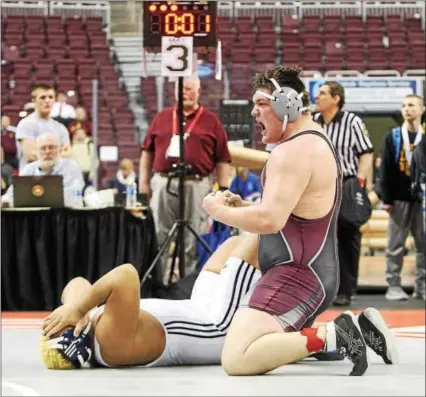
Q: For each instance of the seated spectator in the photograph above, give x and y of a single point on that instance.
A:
(125, 175)
(6, 174)
(61, 110)
(82, 152)
(50, 163)
(37, 123)
(8, 142)
(80, 122)
(246, 184)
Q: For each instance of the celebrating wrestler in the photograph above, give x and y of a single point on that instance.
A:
(125, 330)
(297, 247)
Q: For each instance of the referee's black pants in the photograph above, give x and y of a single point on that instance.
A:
(349, 244)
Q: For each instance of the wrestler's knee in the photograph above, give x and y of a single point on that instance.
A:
(236, 343)
(247, 248)
(232, 361)
(231, 242)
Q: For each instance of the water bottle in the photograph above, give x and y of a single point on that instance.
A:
(131, 195)
(77, 193)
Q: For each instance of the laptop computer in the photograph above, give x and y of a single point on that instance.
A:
(38, 191)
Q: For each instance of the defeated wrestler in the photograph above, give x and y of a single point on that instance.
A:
(125, 330)
(297, 248)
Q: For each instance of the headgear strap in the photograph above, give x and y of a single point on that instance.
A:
(74, 348)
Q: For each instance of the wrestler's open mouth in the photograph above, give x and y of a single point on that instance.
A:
(262, 126)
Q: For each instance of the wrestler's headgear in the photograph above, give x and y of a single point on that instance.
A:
(286, 102)
(67, 351)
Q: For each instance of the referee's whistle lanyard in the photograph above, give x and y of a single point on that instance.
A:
(187, 133)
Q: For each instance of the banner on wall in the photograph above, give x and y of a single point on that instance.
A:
(371, 94)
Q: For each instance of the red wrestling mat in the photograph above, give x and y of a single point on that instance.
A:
(394, 318)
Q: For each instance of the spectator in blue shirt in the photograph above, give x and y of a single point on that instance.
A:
(246, 184)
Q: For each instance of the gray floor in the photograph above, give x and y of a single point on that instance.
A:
(24, 375)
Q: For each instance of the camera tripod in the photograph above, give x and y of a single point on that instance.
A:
(178, 228)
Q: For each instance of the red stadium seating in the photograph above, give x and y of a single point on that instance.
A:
(71, 52)
(327, 42)
(68, 53)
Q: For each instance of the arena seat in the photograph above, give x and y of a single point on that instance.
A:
(245, 24)
(289, 23)
(68, 52)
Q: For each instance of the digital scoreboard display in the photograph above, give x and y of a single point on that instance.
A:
(195, 19)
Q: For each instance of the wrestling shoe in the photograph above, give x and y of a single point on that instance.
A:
(328, 356)
(346, 337)
(377, 335)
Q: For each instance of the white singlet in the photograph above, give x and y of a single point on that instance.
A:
(195, 328)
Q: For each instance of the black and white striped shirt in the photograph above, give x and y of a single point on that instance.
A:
(349, 136)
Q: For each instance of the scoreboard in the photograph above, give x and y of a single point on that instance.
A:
(196, 19)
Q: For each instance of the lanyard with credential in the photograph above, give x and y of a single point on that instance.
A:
(406, 141)
(191, 126)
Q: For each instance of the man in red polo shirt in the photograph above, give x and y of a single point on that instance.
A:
(206, 150)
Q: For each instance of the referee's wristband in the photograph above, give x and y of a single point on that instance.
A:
(223, 188)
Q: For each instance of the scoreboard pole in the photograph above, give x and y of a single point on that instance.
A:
(176, 61)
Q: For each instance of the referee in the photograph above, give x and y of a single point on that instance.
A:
(350, 138)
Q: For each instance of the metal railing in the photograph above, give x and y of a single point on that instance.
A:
(382, 73)
(329, 7)
(68, 9)
(71, 9)
(265, 8)
(311, 74)
(414, 73)
(343, 73)
(24, 8)
(324, 8)
(403, 8)
(225, 9)
(83, 9)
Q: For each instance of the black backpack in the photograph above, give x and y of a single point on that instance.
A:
(356, 207)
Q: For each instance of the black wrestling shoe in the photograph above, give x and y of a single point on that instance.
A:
(350, 342)
(328, 356)
(377, 335)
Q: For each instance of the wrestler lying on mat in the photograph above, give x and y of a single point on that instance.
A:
(126, 330)
(151, 332)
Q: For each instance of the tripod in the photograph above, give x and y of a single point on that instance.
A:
(181, 223)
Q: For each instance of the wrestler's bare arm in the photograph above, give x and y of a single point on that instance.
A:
(74, 289)
(287, 176)
(103, 288)
(71, 312)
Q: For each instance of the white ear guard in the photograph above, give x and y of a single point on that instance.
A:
(286, 102)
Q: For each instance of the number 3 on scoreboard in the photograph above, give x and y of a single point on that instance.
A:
(183, 58)
(176, 59)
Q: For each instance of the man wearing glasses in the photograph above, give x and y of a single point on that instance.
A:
(39, 122)
(50, 163)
